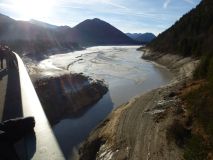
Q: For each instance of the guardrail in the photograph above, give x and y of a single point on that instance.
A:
(44, 144)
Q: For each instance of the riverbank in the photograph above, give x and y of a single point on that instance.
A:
(68, 95)
(121, 68)
(64, 94)
(139, 129)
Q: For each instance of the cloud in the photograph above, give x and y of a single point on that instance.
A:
(114, 4)
(157, 15)
(189, 1)
(166, 3)
(4, 5)
(92, 2)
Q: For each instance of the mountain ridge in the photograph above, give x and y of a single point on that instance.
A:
(193, 32)
(143, 38)
(37, 38)
(102, 33)
(192, 37)
(42, 24)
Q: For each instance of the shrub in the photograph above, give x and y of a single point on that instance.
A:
(195, 149)
(178, 132)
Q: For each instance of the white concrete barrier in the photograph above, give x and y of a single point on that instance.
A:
(44, 145)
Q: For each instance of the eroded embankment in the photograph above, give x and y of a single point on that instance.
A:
(139, 129)
(68, 94)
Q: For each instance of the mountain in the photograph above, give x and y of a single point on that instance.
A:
(32, 39)
(35, 38)
(98, 32)
(192, 36)
(142, 37)
(146, 37)
(5, 19)
(134, 35)
(42, 24)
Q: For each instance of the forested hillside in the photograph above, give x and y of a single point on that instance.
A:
(192, 36)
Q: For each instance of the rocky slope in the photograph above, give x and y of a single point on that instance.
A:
(138, 129)
(68, 95)
(183, 67)
(192, 36)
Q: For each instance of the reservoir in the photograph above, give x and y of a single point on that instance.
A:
(125, 73)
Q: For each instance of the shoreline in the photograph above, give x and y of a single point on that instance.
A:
(68, 95)
(64, 94)
(137, 130)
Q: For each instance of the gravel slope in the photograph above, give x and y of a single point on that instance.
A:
(138, 130)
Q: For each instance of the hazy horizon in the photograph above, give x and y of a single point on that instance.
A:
(133, 17)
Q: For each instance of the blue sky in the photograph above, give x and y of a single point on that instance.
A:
(127, 15)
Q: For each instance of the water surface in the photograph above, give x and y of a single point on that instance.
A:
(126, 74)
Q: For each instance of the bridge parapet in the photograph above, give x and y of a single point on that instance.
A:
(42, 145)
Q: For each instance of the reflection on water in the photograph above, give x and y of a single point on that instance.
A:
(70, 132)
(122, 69)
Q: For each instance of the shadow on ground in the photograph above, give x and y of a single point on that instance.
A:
(13, 109)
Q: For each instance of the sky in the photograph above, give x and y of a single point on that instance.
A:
(135, 16)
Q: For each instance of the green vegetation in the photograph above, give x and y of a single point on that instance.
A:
(192, 36)
(178, 132)
(205, 69)
(200, 106)
(195, 149)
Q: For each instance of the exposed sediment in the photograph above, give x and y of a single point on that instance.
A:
(182, 67)
(68, 94)
(138, 130)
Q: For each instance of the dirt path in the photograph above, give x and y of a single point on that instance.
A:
(141, 128)
(138, 130)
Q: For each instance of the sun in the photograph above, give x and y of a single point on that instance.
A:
(33, 9)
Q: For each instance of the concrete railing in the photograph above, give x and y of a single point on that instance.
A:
(44, 144)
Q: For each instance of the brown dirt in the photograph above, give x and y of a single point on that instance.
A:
(138, 130)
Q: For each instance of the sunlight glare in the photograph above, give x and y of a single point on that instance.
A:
(33, 9)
